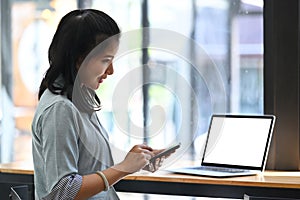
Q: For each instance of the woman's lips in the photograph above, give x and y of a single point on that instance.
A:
(101, 79)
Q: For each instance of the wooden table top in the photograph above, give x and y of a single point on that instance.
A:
(17, 168)
(276, 179)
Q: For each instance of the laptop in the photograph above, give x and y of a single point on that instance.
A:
(236, 145)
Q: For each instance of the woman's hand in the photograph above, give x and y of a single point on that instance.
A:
(157, 163)
(154, 165)
(136, 159)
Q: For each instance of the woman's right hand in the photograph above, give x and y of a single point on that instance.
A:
(136, 159)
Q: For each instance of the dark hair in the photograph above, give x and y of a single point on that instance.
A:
(77, 34)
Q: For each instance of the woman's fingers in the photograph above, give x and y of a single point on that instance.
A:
(139, 158)
(147, 156)
(143, 148)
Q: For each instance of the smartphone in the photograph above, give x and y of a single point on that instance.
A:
(165, 152)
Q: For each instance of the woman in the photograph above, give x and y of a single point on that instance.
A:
(71, 153)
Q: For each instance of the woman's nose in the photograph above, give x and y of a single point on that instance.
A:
(110, 70)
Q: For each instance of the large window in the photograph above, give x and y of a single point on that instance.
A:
(31, 27)
(201, 57)
(194, 58)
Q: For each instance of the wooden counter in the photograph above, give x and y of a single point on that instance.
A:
(269, 183)
(17, 168)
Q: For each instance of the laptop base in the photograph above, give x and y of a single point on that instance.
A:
(209, 173)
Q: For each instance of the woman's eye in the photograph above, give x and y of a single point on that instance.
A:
(106, 61)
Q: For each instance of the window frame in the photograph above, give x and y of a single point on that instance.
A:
(281, 81)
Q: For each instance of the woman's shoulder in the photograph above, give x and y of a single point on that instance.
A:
(50, 98)
(54, 101)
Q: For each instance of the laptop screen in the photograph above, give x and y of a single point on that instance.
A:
(236, 140)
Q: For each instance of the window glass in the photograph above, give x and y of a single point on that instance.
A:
(32, 26)
(181, 93)
(203, 56)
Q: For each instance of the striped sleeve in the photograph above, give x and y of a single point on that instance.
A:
(66, 188)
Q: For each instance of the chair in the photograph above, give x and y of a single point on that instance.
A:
(19, 192)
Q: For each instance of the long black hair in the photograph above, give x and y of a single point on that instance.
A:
(77, 34)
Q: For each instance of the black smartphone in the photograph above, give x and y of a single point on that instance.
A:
(167, 151)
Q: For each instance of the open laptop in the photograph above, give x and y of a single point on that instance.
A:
(236, 145)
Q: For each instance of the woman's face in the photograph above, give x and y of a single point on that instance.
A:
(93, 73)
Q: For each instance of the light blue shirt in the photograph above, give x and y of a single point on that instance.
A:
(67, 144)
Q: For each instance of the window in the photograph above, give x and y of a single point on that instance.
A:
(32, 24)
(201, 57)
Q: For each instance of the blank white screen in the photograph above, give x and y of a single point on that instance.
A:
(237, 141)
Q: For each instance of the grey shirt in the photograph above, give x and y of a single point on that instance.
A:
(67, 144)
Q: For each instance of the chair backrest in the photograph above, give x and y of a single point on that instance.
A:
(19, 192)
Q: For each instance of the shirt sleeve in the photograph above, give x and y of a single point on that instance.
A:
(66, 188)
(59, 131)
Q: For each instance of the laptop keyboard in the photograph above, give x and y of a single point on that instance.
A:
(220, 169)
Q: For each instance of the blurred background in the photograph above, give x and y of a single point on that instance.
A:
(229, 32)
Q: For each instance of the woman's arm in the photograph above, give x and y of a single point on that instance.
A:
(137, 158)
(92, 184)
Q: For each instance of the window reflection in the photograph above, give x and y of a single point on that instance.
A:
(33, 26)
(229, 32)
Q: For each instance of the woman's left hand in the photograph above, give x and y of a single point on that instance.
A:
(157, 163)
